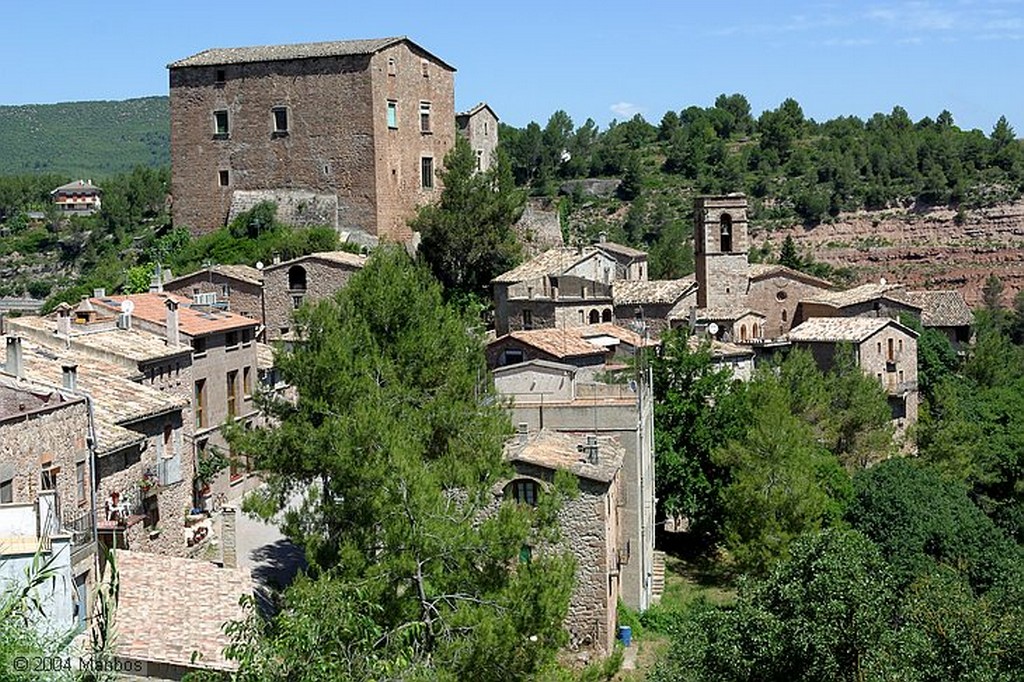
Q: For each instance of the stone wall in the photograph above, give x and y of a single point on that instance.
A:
(777, 298)
(721, 273)
(52, 438)
(481, 130)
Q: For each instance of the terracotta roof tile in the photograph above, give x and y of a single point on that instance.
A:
(762, 270)
(942, 308)
(861, 294)
(838, 329)
(192, 320)
(559, 343)
(655, 291)
(616, 249)
(269, 53)
(552, 262)
(558, 451)
(170, 607)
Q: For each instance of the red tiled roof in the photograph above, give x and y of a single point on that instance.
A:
(193, 321)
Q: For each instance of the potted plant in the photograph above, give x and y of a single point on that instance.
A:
(149, 482)
(208, 465)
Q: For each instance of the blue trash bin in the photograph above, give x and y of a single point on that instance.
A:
(626, 635)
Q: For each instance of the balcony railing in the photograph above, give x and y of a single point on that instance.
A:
(79, 525)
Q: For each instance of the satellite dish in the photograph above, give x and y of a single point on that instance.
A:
(713, 329)
(259, 265)
(127, 306)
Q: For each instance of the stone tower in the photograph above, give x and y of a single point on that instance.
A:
(720, 249)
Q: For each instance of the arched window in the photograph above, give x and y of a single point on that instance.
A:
(725, 231)
(595, 317)
(297, 278)
(755, 331)
(524, 491)
(606, 316)
(743, 332)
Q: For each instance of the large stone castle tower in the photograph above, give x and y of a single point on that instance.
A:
(720, 246)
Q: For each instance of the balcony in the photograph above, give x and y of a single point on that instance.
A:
(900, 387)
(79, 525)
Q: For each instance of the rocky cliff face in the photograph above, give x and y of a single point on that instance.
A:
(931, 248)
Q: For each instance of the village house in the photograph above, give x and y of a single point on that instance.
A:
(345, 133)
(596, 346)
(562, 287)
(589, 523)
(557, 397)
(141, 436)
(46, 493)
(867, 300)
(235, 288)
(947, 312)
(479, 126)
(80, 197)
(224, 372)
(306, 279)
(657, 304)
(883, 348)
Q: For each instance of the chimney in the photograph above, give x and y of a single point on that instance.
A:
(13, 363)
(602, 237)
(277, 258)
(522, 433)
(173, 333)
(99, 293)
(590, 449)
(70, 374)
(64, 320)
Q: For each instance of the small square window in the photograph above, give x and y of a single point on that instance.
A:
(231, 340)
(392, 114)
(220, 123)
(221, 75)
(424, 117)
(223, 177)
(392, 66)
(280, 120)
(7, 491)
(427, 172)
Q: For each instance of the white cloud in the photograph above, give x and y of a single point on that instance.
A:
(625, 109)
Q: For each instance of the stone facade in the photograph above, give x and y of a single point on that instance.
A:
(306, 279)
(479, 126)
(352, 119)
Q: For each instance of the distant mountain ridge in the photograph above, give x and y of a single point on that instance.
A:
(85, 139)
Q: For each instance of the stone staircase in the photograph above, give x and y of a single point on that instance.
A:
(658, 577)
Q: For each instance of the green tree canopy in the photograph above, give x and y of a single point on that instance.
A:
(468, 236)
(394, 446)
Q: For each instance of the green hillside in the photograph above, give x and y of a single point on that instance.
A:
(84, 139)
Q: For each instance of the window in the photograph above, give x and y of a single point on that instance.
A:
(81, 483)
(232, 381)
(199, 403)
(392, 66)
(231, 340)
(297, 278)
(152, 508)
(424, 117)
(223, 177)
(525, 491)
(780, 296)
(479, 159)
(7, 491)
(392, 113)
(606, 316)
(48, 478)
(225, 290)
(785, 315)
(891, 349)
(246, 335)
(425, 66)
(485, 129)
(221, 76)
(427, 172)
(220, 123)
(199, 346)
(527, 319)
(512, 356)
(879, 346)
(280, 120)
(247, 381)
(296, 301)
(595, 317)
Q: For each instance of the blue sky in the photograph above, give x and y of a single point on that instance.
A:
(600, 60)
